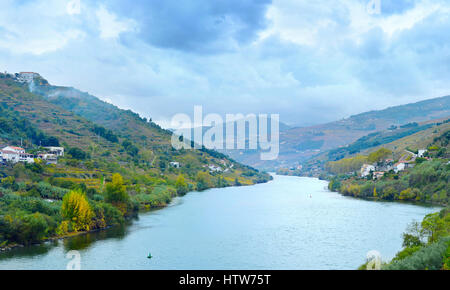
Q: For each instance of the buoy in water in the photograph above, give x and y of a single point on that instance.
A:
(149, 255)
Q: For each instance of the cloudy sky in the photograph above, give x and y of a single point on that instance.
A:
(309, 61)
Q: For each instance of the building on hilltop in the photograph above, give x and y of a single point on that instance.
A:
(26, 77)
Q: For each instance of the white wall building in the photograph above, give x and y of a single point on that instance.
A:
(399, 167)
(10, 156)
(58, 151)
(213, 168)
(49, 158)
(26, 77)
(14, 149)
(366, 169)
(14, 154)
(25, 157)
(421, 152)
(175, 164)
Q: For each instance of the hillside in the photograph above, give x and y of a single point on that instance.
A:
(413, 136)
(414, 168)
(114, 165)
(300, 144)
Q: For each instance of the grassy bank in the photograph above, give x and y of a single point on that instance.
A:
(41, 202)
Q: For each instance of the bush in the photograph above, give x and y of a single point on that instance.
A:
(77, 153)
(427, 258)
(46, 190)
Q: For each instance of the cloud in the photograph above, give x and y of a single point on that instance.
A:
(110, 26)
(306, 60)
(201, 26)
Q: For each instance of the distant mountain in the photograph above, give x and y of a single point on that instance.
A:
(300, 144)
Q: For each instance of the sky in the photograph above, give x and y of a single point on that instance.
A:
(308, 61)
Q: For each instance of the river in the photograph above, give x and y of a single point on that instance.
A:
(288, 223)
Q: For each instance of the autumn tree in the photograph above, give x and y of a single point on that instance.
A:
(76, 209)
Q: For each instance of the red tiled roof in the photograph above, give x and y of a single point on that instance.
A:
(16, 148)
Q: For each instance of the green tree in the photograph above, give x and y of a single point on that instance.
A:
(77, 153)
(181, 185)
(116, 191)
(379, 155)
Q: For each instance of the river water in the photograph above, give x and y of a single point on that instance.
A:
(288, 223)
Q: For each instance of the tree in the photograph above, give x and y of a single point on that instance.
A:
(181, 185)
(434, 227)
(76, 209)
(379, 155)
(203, 180)
(115, 191)
(77, 153)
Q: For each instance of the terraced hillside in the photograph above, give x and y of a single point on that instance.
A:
(115, 163)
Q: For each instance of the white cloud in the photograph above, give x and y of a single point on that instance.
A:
(74, 7)
(36, 27)
(110, 26)
(310, 63)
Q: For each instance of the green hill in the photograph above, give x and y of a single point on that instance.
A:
(119, 162)
(412, 136)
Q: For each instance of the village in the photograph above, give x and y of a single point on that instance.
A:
(378, 169)
(14, 154)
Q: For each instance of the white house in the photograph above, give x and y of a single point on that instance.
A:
(25, 157)
(49, 158)
(26, 77)
(10, 156)
(175, 164)
(214, 168)
(421, 152)
(14, 154)
(378, 174)
(14, 149)
(399, 167)
(58, 151)
(366, 169)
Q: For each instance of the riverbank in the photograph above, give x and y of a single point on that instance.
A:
(142, 209)
(288, 223)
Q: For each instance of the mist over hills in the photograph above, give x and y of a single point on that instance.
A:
(47, 115)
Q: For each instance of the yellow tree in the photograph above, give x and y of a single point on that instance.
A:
(77, 210)
(181, 185)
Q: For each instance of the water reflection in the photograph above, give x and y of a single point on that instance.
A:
(29, 251)
(82, 242)
(79, 242)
